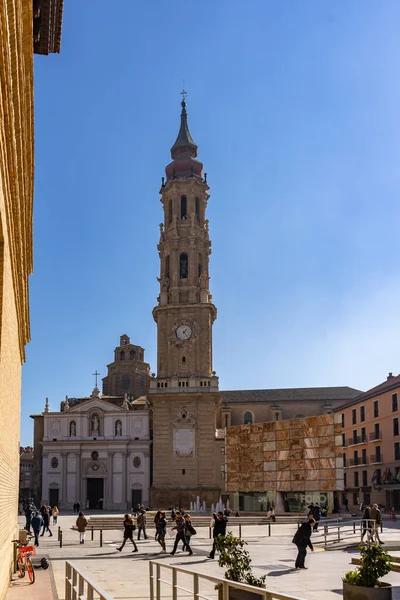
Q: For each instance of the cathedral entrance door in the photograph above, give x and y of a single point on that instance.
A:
(95, 492)
(53, 497)
(136, 498)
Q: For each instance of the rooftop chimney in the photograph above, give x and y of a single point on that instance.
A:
(390, 376)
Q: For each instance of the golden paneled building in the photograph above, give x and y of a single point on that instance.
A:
(286, 464)
(17, 41)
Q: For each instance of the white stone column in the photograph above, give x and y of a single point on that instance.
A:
(108, 489)
(78, 478)
(64, 457)
(45, 478)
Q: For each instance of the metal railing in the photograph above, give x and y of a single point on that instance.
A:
(376, 458)
(375, 435)
(192, 588)
(79, 586)
(333, 531)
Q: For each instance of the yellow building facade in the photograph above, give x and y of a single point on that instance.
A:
(16, 204)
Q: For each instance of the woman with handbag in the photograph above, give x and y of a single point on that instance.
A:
(129, 528)
(161, 529)
(190, 530)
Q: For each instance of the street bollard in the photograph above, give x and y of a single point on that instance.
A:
(269, 529)
(338, 533)
(240, 530)
(101, 538)
(58, 535)
(325, 533)
(354, 526)
(209, 532)
(92, 534)
(60, 539)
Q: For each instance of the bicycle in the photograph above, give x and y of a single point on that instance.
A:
(23, 559)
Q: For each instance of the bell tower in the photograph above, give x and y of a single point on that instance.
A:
(184, 394)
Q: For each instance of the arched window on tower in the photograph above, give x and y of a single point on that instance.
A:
(122, 355)
(183, 208)
(132, 354)
(183, 265)
(248, 418)
(200, 265)
(140, 385)
(197, 209)
(126, 383)
(170, 211)
(167, 266)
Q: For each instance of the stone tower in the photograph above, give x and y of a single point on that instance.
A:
(128, 373)
(184, 395)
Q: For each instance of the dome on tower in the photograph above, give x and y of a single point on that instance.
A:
(184, 152)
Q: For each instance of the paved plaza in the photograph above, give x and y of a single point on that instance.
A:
(126, 575)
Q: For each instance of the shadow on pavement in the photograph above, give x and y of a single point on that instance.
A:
(279, 573)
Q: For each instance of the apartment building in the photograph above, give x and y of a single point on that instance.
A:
(371, 446)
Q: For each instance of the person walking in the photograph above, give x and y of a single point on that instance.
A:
(375, 515)
(366, 525)
(161, 529)
(44, 511)
(37, 523)
(74, 507)
(129, 528)
(346, 504)
(190, 530)
(28, 516)
(180, 533)
(55, 513)
(302, 539)
(316, 513)
(219, 528)
(141, 520)
(78, 507)
(81, 524)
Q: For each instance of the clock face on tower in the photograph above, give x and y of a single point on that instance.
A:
(183, 332)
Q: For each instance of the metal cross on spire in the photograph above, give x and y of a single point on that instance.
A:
(96, 374)
(183, 94)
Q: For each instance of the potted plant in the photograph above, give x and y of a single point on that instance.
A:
(363, 583)
(238, 562)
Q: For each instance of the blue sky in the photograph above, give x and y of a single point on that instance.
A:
(294, 107)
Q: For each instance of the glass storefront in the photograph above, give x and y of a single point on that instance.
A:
(256, 501)
(299, 501)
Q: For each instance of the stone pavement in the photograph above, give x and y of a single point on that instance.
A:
(22, 589)
(126, 575)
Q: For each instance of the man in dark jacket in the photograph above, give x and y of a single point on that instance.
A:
(28, 515)
(36, 522)
(316, 513)
(220, 523)
(302, 539)
(180, 534)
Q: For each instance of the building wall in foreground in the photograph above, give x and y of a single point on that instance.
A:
(16, 191)
(371, 432)
(301, 456)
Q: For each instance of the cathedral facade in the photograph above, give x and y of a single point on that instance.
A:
(96, 450)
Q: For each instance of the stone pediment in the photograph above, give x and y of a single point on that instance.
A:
(92, 403)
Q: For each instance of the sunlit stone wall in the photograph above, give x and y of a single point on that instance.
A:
(296, 455)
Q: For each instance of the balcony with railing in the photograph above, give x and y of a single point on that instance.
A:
(356, 462)
(376, 459)
(358, 439)
(375, 436)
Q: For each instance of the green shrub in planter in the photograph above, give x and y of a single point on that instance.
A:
(375, 563)
(237, 560)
